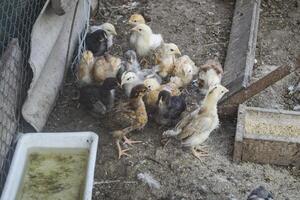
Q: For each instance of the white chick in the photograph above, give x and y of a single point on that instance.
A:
(129, 80)
(195, 128)
(185, 69)
(165, 58)
(146, 41)
(210, 74)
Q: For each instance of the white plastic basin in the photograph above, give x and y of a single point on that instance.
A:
(85, 140)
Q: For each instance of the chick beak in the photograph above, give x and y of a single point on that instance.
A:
(226, 90)
(133, 29)
(114, 32)
(178, 52)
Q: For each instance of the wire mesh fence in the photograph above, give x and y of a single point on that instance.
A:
(16, 21)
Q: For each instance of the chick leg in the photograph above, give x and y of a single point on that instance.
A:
(198, 153)
(122, 151)
(130, 142)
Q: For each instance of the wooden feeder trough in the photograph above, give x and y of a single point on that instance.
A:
(267, 136)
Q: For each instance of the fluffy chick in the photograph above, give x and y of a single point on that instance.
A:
(128, 81)
(100, 38)
(131, 116)
(131, 64)
(135, 20)
(155, 88)
(146, 41)
(99, 98)
(185, 69)
(260, 193)
(106, 66)
(169, 108)
(165, 58)
(196, 127)
(85, 68)
(210, 74)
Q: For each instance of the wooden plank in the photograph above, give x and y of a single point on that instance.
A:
(230, 105)
(241, 49)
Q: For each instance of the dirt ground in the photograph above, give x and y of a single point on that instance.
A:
(201, 29)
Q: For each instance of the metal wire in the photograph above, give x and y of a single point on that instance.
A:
(16, 20)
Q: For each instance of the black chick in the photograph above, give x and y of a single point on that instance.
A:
(99, 99)
(97, 42)
(169, 108)
(260, 193)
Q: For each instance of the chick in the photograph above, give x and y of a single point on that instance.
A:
(85, 75)
(131, 116)
(210, 74)
(135, 20)
(155, 88)
(131, 64)
(260, 193)
(106, 66)
(165, 58)
(185, 69)
(169, 108)
(196, 127)
(100, 38)
(99, 98)
(146, 41)
(128, 81)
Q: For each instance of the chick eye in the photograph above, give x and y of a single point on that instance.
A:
(128, 79)
(140, 29)
(134, 20)
(172, 49)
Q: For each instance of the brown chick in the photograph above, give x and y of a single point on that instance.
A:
(155, 88)
(165, 58)
(131, 116)
(85, 68)
(196, 127)
(210, 74)
(106, 66)
(185, 69)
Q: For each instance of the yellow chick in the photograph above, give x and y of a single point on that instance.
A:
(165, 58)
(106, 66)
(195, 128)
(136, 19)
(185, 69)
(146, 41)
(86, 67)
(210, 74)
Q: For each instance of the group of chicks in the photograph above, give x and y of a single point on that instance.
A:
(152, 91)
